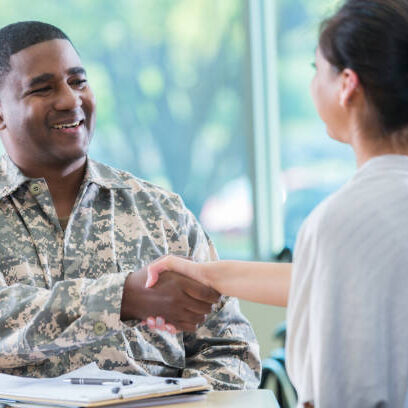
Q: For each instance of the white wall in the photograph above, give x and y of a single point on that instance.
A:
(264, 319)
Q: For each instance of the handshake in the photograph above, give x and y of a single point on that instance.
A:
(178, 299)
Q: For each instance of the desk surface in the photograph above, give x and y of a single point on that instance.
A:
(235, 399)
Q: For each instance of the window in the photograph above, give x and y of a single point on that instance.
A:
(313, 165)
(170, 77)
(296, 164)
(204, 96)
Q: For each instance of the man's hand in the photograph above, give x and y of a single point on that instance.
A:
(179, 300)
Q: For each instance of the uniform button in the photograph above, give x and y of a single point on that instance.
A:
(35, 189)
(100, 328)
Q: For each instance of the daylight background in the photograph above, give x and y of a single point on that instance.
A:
(210, 99)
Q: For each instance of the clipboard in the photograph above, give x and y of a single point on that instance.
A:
(57, 393)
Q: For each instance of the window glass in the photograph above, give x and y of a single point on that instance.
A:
(170, 81)
(313, 165)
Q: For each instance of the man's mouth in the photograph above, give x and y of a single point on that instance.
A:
(68, 125)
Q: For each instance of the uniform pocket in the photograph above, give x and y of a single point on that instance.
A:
(161, 347)
(20, 271)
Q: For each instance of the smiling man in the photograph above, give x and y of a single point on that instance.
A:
(75, 234)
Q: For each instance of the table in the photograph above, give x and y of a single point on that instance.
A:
(233, 399)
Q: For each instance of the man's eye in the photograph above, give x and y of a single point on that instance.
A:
(39, 90)
(80, 83)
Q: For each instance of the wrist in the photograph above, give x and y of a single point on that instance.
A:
(206, 274)
(133, 291)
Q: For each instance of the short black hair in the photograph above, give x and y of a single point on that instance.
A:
(18, 36)
(371, 38)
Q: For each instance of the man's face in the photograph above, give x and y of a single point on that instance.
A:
(47, 109)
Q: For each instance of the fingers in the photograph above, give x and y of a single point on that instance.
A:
(159, 323)
(154, 269)
(152, 277)
(190, 324)
(170, 328)
(187, 327)
(171, 263)
(186, 319)
(179, 301)
(196, 288)
(193, 318)
(151, 322)
(202, 293)
(198, 307)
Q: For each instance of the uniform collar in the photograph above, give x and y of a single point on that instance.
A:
(103, 175)
(11, 177)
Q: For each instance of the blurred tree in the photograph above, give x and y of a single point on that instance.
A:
(313, 165)
(169, 76)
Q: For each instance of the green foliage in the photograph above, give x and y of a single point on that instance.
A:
(314, 165)
(168, 78)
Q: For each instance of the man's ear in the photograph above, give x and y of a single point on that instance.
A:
(350, 85)
(2, 122)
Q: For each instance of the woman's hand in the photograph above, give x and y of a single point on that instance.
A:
(260, 282)
(158, 323)
(173, 263)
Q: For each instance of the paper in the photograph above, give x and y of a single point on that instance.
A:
(173, 399)
(57, 392)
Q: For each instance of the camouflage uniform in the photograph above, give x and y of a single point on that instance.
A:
(60, 293)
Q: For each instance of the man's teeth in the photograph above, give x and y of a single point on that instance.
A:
(67, 125)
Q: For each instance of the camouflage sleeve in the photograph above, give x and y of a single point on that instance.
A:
(36, 323)
(224, 349)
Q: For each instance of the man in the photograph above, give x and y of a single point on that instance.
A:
(74, 233)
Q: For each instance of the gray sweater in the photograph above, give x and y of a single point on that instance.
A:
(347, 316)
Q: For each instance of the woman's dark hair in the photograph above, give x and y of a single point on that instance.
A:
(371, 38)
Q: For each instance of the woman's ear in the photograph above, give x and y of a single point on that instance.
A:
(350, 85)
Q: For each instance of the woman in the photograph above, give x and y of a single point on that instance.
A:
(348, 297)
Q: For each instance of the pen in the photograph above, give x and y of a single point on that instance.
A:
(98, 381)
(171, 381)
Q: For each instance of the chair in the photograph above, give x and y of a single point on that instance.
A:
(273, 368)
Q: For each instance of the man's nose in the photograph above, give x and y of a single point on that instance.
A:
(67, 98)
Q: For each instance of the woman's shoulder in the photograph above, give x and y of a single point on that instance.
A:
(334, 207)
(339, 212)
(369, 201)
